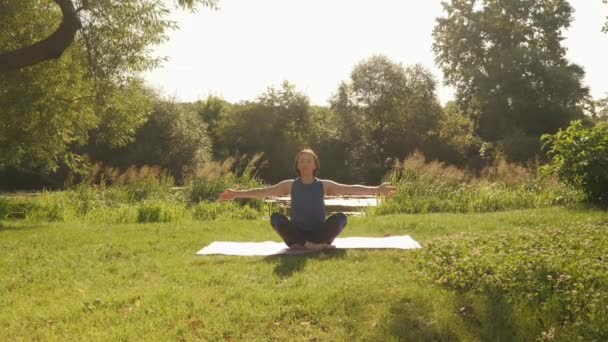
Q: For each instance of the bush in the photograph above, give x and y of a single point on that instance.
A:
(559, 274)
(15, 207)
(580, 158)
(51, 207)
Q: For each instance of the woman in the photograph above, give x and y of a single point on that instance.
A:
(308, 226)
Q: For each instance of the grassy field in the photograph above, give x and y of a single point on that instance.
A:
(83, 281)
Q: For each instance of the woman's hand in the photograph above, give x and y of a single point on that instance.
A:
(227, 195)
(387, 189)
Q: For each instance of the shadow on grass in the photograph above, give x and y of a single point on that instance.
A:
(491, 318)
(484, 318)
(413, 319)
(287, 264)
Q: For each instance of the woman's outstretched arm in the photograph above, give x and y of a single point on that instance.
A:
(280, 189)
(336, 189)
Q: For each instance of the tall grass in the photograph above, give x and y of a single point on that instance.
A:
(145, 194)
(148, 194)
(425, 187)
(206, 183)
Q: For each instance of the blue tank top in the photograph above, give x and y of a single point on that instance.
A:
(307, 206)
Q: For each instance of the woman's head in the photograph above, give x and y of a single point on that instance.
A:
(307, 161)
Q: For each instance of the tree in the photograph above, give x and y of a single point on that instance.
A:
(244, 129)
(605, 28)
(211, 111)
(291, 111)
(173, 138)
(278, 124)
(290, 130)
(599, 111)
(509, 68)
(49, 110)
(385, 110)
(89, 17)
(329, 144)
(457, 142)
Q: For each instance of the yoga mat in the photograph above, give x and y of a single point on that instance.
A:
(274, 248)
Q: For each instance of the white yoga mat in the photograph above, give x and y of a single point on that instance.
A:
(273, 248)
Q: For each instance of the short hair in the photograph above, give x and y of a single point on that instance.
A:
(314, 156)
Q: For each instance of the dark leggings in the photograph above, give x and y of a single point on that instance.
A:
(291, 234)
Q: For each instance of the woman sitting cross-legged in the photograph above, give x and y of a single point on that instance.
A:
(308, 226)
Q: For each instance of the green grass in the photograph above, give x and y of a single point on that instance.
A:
(429, 196)
(83, 281)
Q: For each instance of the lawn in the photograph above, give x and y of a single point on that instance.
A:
(82, 281)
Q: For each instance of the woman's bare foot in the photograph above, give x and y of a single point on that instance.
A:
(317, 246)
(297, 246)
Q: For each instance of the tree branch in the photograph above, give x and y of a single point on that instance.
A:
(50, 48)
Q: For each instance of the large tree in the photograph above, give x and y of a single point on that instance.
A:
(278, 124)
(210, 111)
(87, 17)
(385, 110)
(173, 138)
(50, 108)
(506, 60)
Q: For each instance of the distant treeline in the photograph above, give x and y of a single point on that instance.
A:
(512, 78)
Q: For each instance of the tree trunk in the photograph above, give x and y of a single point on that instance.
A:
(49, 48)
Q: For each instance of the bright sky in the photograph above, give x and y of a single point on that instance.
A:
(246, 46)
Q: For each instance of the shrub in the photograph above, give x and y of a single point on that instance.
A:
(560, 274)
(50, 207)
(15, 207)
(580, 158)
